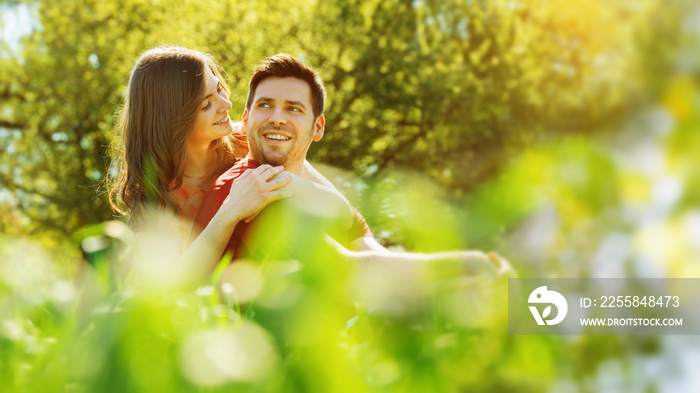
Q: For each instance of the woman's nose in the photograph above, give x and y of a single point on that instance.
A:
(225, 104)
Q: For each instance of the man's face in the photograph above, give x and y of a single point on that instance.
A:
(281, 124)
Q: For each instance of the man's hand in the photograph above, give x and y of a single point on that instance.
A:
(503, 267)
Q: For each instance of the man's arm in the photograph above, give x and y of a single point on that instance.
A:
(367, 243)
(319, 200)
(367, 250)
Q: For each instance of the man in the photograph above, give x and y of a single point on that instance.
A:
(283, 116)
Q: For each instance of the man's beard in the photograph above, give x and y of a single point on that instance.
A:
(270, 159)
(275, 158)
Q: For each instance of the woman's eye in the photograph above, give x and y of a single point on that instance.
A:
(207, 106)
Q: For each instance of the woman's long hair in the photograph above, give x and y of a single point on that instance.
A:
(160, 109)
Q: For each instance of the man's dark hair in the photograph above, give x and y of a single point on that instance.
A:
(283, 65)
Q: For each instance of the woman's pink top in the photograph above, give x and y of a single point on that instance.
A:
(189, 199)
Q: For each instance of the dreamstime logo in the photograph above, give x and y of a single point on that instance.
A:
(542, 295)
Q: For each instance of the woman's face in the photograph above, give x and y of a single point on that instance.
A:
(212, 121)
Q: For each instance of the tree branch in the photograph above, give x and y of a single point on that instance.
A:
(10, 124)
(5, 94)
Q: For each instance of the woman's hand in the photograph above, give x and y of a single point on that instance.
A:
(255, 189)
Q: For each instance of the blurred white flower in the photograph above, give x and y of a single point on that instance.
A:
(25, 265)
(62, 292)
(243, 353)
(241, 282)
(13, 330)
(205, 291)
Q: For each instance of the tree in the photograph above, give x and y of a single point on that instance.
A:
(448, 88)
(452, 88)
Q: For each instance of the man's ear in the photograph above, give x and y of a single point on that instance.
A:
(319, 127)
(244, 122)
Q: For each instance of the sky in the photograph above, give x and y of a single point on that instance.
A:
(16, 23)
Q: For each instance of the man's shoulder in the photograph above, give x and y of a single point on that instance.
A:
(233, 173)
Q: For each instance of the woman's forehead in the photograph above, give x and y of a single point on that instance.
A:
(211, 81)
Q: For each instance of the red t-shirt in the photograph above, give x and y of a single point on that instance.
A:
(217, 193)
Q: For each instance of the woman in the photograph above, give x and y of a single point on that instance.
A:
(176, 139)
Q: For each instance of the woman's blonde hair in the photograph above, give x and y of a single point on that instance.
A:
(160, 108)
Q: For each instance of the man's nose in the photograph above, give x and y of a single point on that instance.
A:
(277, 118)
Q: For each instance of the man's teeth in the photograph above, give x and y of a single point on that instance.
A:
(277, 137)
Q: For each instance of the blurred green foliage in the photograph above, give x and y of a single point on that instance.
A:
(450, 88)
(537, 124)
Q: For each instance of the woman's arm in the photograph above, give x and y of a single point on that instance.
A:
(252, 192)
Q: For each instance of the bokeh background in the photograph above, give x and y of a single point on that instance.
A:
(563, 134)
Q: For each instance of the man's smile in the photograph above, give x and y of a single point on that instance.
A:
(273, 136)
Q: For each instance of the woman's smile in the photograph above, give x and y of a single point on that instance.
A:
(223, 121)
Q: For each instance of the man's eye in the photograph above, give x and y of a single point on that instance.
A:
(219, 87)
(294, 109)
(263, 105)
